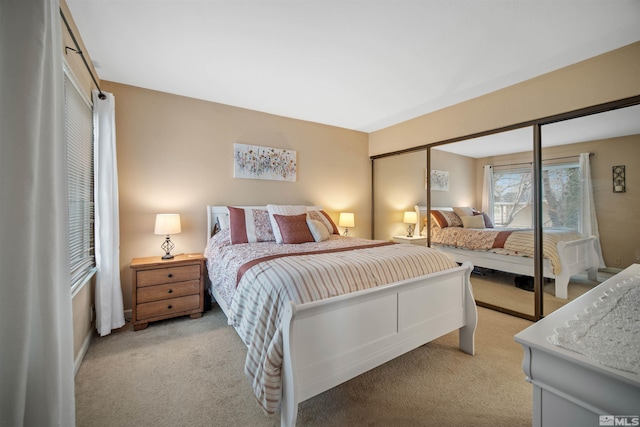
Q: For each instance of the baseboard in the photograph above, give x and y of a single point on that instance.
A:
(82, 352)
(127, 314)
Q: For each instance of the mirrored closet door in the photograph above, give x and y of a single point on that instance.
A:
(494, 202)
(589, 183)
(570, 183)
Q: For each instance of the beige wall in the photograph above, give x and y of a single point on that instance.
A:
(604, 78)
(399, 185)
(175, 155)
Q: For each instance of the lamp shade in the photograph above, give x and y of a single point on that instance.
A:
(167, 224)
(346, 220)
(410, 218)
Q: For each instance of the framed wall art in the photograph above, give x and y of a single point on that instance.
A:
(256, 162)
(439, 180)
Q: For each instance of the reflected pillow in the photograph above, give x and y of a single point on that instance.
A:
(463, 211)
(487, 220)
(446, 218)
(474, 221)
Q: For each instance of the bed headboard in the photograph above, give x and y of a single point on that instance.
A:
(421, 211)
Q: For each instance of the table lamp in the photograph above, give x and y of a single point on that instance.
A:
(167, 224)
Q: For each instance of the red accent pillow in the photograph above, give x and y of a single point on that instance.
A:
(446, 218)
(249, 225)
(294, 228)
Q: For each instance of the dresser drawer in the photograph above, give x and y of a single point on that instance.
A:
(167, 307)
(169, 290)
(168, 275)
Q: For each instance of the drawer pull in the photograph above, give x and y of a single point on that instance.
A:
(170, 307)
(170, 291)
(169, 275)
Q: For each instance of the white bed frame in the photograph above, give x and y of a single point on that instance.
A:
(386, 322)
(576, 256)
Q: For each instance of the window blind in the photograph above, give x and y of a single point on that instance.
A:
(79, 138)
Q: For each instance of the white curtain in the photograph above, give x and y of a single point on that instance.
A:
(588, 219)
(109, 306)
(36, 334)
(487, 191)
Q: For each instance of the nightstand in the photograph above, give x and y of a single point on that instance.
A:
(415, 240)
(162, 289)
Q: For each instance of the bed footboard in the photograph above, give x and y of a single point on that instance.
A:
(576, 256)
(330, 341)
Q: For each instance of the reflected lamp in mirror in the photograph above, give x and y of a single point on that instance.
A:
(410, 218)
(167, 224)
(347, 221)
(619, 185)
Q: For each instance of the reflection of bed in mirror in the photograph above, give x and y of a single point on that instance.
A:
(566, 253)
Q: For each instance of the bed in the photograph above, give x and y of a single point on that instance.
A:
(565, 252)
(304, 338)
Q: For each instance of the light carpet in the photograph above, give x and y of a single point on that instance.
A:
(189, 372)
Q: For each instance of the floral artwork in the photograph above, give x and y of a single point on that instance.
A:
(439, 180)
(256, 162)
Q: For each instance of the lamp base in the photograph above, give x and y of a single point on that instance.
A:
(410, 230)
(167, 245)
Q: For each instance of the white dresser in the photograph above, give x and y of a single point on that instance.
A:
(569, 388)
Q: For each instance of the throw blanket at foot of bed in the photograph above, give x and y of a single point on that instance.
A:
(267, 287)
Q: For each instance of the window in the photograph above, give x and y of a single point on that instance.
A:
(79, 139)
(512, 196)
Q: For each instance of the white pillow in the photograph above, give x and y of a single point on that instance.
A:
(283, 210)
(318, 230)
(476, 221)
(316, 212)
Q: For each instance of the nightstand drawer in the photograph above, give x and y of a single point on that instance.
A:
(168, 275)
(168, 307)
(169, 290)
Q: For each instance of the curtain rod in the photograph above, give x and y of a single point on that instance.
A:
(77, 50)
(544, 160)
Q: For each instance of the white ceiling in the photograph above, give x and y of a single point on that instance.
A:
(610, 124)
(356, 64)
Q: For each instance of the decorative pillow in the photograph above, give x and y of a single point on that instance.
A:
(473, 221)
(249, 225)
(223, 221)
(446, 218)
(283, 210)
(318, 230)
(315, 212)
(463, 211)
(487, 220)
(294, 228)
